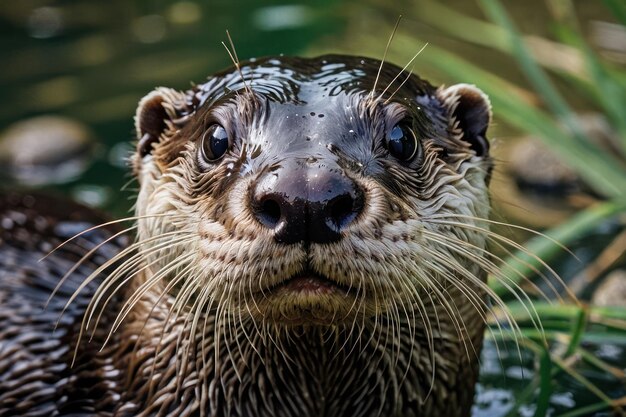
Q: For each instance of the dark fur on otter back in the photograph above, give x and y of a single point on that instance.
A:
(35, 374)
(310, 242)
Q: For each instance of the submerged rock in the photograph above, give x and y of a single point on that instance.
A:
(45, 150)
(612, 291)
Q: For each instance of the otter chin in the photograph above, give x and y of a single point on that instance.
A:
(310, 240)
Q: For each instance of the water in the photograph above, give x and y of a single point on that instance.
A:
(90, 62)
(507, 383)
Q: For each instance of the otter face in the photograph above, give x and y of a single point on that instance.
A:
(309, 196)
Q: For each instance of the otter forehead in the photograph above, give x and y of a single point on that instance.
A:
(305, 81)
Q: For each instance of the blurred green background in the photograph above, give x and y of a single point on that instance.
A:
(72, 72)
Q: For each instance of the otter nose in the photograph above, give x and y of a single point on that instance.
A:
(310, 205)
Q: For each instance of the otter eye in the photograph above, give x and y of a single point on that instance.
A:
(402, 143)
(214, 143)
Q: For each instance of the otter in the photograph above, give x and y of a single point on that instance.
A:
(310, 240)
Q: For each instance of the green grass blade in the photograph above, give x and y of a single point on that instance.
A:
(578, 329)
(462, 26)
(569, 312)
(533, 71)
(545, 383)
(581, 379)
(601, 365)
(611, 94)
(596, 337)
(585, 411)
(618, 9)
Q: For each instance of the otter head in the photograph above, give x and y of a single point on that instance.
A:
(307, 195)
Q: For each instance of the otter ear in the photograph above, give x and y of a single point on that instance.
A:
(157, 115)
(149, 121)
(470, 111)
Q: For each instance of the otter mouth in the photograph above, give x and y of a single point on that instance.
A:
(310, 283)
(307, 298)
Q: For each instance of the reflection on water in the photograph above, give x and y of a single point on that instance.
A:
(506, 375)
(91, 61)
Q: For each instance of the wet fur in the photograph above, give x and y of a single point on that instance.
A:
(190, 330)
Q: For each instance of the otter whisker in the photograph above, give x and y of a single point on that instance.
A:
(257, 331)
(128, 270)
(506, 240)
(136, 296)
(109, 223)
(235, 60)
(461, 243)
(392, 311)
(185, 292)
(488, 266)
(357, 314)
(260, 282)
(410, 318)
(91, 308)
(189, 289)
(229, 336)
(166, 321)
(233, 325)
(149, 283)
(357, 298)
(241, 326)
(501, 241)
(208, 302)
(430, 337)
(377, 318)
(455, 244)
(190, 321)
(462, 325)
(218, 327)
(476, 300)
(395, 324)
(119, 256)
(382, 61)
(434, 289)
(379, 329)
(202, 310)
(403, 69)
(487, 232)
(510, 225)
(489, 254)
(407, 78)
(82, 260)
(108, 337)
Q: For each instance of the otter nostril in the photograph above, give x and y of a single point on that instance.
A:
(341, 211)
(269, 213)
